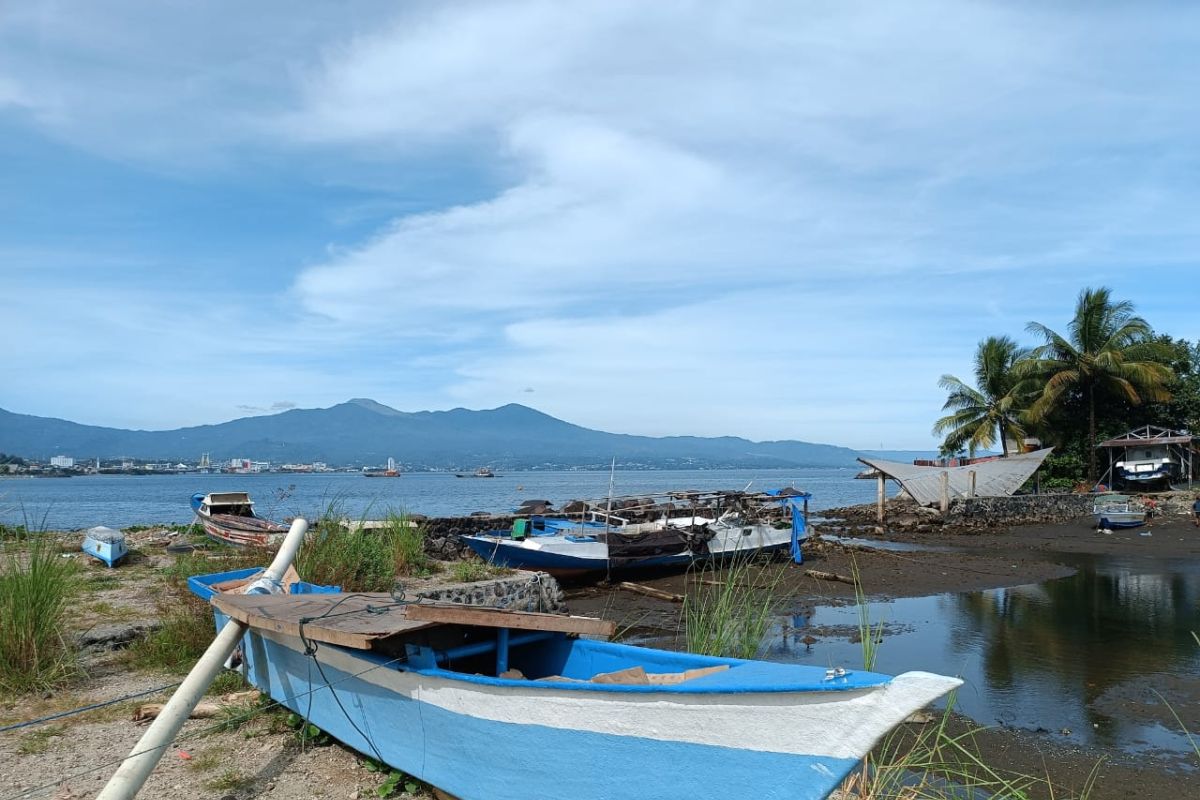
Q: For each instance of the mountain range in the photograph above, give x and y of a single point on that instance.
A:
(362, 431)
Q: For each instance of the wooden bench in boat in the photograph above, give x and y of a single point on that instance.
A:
(360, 619)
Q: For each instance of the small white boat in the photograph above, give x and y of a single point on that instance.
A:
(1118, 511)
(105, 544)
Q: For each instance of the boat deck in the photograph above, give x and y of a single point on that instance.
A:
(358, 620)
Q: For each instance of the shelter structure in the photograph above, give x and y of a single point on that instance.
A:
(1152, 457)
(933, 485)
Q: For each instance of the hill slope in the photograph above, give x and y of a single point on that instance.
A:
(365, 432)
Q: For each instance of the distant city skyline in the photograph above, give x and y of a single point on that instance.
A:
(775, 221)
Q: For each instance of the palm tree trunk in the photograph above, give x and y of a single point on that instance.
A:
(1003, 442)
(1092, 435)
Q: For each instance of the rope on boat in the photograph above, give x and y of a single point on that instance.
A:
(82, 709)
(310, 650)
(194, 735)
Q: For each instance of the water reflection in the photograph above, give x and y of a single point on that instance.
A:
(1078, 656)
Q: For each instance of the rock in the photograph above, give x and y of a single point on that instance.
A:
(115, 636)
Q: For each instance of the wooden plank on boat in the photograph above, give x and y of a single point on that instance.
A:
(504, 618)
(350, 620)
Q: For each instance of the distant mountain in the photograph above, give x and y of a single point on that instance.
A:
(366, 432)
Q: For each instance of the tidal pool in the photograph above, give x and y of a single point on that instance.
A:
(1099, 658)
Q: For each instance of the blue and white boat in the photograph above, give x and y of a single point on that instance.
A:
(105, 544)
(608, 543)
(494, 705)
(1117, 511)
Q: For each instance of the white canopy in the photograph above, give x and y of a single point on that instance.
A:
(999, 478)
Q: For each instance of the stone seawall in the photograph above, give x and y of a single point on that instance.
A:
(522, 591)
(1019, 509)
(441, 533)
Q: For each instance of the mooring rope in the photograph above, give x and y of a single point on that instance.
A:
(83, 709)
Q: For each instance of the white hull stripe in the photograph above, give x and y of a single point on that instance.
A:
(838, 724)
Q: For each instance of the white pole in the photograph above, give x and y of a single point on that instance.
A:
(134, 770)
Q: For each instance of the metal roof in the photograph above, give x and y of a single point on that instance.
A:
(998, 478)
(1149, 434)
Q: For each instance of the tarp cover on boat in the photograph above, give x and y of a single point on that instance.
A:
(623, 548)
(999, 478)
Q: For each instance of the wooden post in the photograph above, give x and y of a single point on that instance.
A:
(971, 484)
(880, 494)
(945, 492)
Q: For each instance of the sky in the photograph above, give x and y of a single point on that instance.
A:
(777, 220)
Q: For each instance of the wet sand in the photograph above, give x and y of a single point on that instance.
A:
(959, 562)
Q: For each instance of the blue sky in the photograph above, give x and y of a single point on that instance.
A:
(773, 220)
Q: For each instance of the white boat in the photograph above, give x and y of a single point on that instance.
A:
(1117, 511)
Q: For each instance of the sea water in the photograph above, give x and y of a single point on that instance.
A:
(122, 500)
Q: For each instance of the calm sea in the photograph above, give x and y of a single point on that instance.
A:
(123, 500)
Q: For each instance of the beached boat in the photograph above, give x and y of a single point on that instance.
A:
(607, 543)
(229, 517)
(488, 704)
(105, 544)
(1118, 511)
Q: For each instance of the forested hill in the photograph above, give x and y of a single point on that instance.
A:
(366, 432)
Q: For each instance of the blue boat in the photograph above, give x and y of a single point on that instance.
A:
(488, 704)
(105, 544)
(1117, 511)
(608, 543)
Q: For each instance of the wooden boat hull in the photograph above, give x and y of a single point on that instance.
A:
(493, 740)
(242, 531)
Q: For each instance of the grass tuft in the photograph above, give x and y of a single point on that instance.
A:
(36, 591)
(39, 740)
(365, 560)
(729, 613)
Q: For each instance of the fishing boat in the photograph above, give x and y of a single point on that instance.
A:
(392, 471)
(1117, 511)
(489, 704)
(229, 517)
(603, 543)
(105, 544)
(482, 472)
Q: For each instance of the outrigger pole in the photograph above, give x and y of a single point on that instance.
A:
(136, 768)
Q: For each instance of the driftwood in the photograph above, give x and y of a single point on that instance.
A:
(650, 591)
(828, 576)
(204, 710)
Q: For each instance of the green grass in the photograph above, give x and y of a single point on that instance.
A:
(729, 612)
(187, 621)
(361, 561)
(230, 780)
(871, 635)
(39, 740)
(36, 591)
(475, 569)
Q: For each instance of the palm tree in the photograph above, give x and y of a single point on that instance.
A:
(991, 407)
(1108, 351)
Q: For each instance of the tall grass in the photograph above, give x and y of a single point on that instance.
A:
(871, 635)
(37, 587)
(186, 622)
(365, 560)
(729, 613)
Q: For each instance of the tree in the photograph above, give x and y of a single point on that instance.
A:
(993, 406)
(1108, 353)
